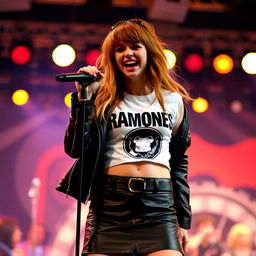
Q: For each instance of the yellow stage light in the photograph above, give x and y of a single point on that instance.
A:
(67, 100)
(171, 58)
(20, 97)
(223, 64)
(200, 105)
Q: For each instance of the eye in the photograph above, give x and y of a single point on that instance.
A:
(120, 48)
(136, 46)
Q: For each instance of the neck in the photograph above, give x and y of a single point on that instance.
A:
(136, 87)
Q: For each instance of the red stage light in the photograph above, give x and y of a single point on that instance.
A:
(194, 63)
(20, 55)
(91, 56)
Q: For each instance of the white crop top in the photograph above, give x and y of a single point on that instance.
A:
(140, 130)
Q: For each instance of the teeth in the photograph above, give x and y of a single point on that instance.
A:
(130, 62)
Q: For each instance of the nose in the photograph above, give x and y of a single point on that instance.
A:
(128, 52)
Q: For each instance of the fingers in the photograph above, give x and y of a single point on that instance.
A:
(92, 70)
(183, 237)
(184, 244)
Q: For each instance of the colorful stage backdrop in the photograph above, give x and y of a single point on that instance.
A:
(222, 168)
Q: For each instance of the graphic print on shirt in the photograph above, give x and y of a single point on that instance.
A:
(146, 119)
(143, 143)
(139, 129)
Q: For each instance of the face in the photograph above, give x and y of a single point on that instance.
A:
(131, 59)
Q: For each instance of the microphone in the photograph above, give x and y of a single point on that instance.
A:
(34, 189)
(83, 78)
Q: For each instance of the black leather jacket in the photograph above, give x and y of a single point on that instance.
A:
(94, 141)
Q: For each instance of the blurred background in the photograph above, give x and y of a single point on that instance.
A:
(211, 44)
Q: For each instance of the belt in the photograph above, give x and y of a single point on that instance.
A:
(139, 184)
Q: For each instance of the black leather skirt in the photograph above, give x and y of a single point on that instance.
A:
(133, 215)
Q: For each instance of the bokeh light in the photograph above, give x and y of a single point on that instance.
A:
(249, 63)
(171, 58)
(200, 105)
(91, 56)
(223, 64)
(20, 97)
(20, 55)
(67, 99)
(193, 62)
(63, 55)
(236, 106)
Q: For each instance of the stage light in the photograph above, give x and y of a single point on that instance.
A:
(200, 105)
(193, 62)
(171, 58)
(249, 63)
(91, 56)
(20, 55)
(20, 97)
(223, 64)
(236, 106)
(67, 99)
(63, 55)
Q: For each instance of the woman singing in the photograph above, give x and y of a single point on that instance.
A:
(135, 171)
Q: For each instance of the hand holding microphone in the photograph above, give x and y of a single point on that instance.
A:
(94, 85)
(89, 77)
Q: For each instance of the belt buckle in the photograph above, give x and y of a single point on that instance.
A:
(137, 179)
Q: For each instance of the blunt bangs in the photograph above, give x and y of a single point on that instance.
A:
(123, 33)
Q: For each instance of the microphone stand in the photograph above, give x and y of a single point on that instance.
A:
(84, 79)
(80, 174)
(33, 194)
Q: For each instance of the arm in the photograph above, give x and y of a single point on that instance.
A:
(181, 192)
(179, 170)
(73, 136)
(73, 146)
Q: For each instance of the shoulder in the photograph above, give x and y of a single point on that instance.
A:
(173, 99)
(171, 95)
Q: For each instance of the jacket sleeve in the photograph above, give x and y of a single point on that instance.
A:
(179, 173)
(74, 130)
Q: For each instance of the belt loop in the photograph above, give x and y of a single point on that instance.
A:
(156, 185)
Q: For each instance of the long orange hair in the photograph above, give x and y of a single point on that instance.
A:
(111, 90)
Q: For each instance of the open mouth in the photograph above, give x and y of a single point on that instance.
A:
(130, 64)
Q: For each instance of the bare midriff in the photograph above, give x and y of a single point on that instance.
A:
(139, 169)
